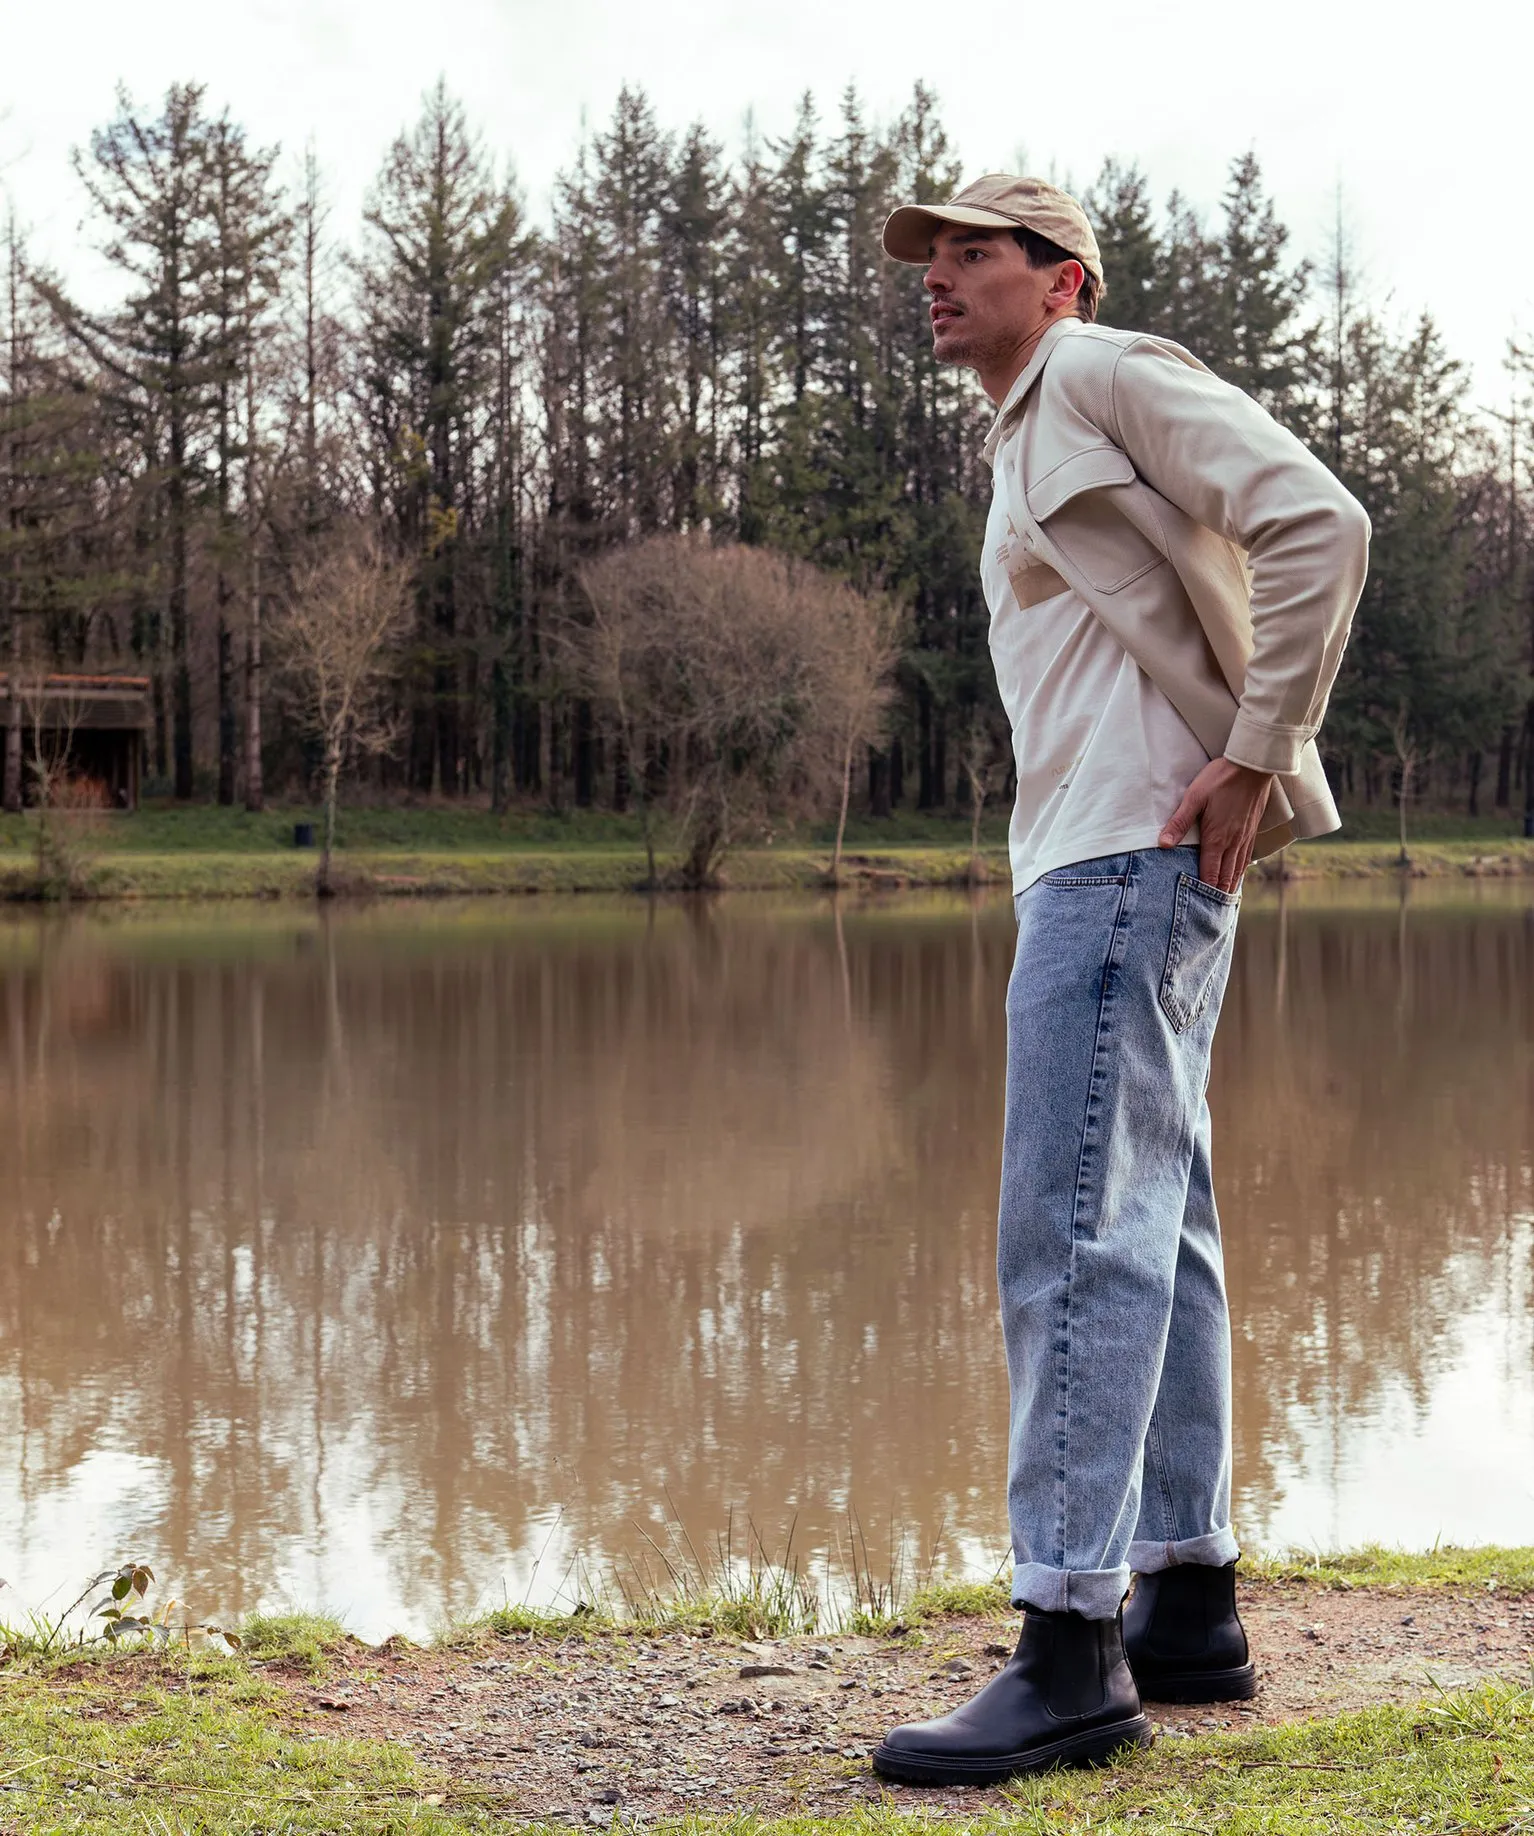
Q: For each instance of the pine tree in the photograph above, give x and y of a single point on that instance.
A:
(800, 220)
(509, 494)
(692, 264)
(746, 325)
(441, 232)
(250, 238)
(1257, 339)
(150, 184)
(1134, 255)
(637, 421)
(63, 491)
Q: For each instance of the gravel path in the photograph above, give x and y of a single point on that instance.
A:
(656, 1726)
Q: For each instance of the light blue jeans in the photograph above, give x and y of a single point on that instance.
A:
(1109, 1262)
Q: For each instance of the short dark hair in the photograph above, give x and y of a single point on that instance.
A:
(1042, 253)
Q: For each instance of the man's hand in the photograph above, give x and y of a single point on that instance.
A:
(1226, 801)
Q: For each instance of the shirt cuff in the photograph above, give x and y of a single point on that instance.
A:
(1261, 747)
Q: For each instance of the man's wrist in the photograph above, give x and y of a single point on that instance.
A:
(1247, 774)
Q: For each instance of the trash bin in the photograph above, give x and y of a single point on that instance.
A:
(303, 834)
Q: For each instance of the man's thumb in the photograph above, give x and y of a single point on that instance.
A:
(1178, 823)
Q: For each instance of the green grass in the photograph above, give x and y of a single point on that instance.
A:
(209, 875)
(209, 1748)
(1382, 824)
(214, 1749)
(165, 851)
(773, 1604)
(165, 828)
(959, 1600)
(1508, 1570)
(1490, 1566)
(305, 1639)
(1379, 859)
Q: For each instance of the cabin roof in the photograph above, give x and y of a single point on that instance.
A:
(78, 701)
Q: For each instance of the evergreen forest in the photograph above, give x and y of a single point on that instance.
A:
(701, 339)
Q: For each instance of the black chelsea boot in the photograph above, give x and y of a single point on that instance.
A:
(1184, 1639)
(1065, 1698)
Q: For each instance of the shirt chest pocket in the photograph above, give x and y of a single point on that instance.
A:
(1074, 502)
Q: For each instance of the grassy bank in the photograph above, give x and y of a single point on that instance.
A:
(214, 1749)
(164, 852)
(177, 1742)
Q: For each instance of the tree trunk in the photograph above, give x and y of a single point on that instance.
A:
(1528, 773)
(10, 781)
(180, 645)
(445, 686)
(926, 791)
(585, 759)
(161, 723)
(502, 738)
(228, 725)
(423, 749)
(12, 775)
(647, 821)
(878, 783)
(1403, 859)
(255, 788)
(12, 755)
(841, 814)
(1504, 794)
(1473, 794)
(977, 800)
(703, 857)
(332, 783)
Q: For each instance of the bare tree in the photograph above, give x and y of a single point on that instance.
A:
(347, 610)
(861, 636)
(620, 656)
(738, 683)
(978, 757)
(47, 709)
(1408, 756)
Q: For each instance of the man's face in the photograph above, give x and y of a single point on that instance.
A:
(986, 301)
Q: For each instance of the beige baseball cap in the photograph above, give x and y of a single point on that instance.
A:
(997, 201)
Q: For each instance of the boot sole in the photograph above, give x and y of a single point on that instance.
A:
(1235, 1685)
(1092, 1748)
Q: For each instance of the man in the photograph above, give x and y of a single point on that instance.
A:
(1171, 577)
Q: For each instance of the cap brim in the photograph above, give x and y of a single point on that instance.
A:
(908, 232)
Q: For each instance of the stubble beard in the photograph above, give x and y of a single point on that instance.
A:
(970, 349)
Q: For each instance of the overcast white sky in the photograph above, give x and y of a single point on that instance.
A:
(1422, 114)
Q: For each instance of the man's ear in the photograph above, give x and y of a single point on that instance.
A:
(1067, 284)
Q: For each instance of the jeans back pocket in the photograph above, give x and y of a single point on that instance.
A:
(1198, 952)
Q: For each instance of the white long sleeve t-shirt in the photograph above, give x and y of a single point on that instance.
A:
(1103, 758)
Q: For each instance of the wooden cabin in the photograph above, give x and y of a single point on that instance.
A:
(90, 727)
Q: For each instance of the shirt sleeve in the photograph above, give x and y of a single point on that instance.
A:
(1211, 450)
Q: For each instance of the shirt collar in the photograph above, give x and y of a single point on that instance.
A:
(1018, 393)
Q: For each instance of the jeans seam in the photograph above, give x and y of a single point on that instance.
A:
(1110, 965)
(1171, 1005)
(1163, 1479)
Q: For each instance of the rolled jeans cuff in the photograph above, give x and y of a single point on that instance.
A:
(1216, 1550)
(1094, 1593)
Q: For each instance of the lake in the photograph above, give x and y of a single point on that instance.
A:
(406, 1259)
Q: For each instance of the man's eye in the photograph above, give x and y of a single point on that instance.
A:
(973, 254)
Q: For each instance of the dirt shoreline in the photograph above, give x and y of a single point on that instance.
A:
(657, 1725)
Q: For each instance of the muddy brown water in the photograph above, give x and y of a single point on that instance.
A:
(406, 1260)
